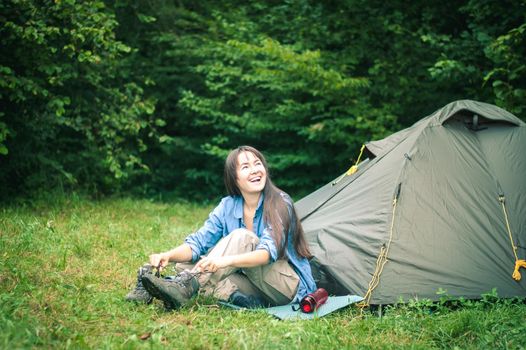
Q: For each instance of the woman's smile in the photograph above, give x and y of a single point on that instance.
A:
(251, 173)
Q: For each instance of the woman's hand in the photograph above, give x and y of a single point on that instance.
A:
(159, 260)
(208, 264)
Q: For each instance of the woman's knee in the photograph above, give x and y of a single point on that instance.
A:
(243, 234)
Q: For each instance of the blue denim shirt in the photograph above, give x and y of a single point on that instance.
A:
(227, 217)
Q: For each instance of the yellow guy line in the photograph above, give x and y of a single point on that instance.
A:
(518, 263)
(352, 169)
(382, 259)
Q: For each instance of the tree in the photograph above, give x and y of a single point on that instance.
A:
(71, 113)
(150, 96)
(486, 56)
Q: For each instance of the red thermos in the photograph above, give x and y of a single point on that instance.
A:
(313, 301)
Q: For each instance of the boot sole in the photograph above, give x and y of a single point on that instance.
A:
(158, 292)
(139, 301)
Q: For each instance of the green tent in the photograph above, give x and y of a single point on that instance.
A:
(438, 206)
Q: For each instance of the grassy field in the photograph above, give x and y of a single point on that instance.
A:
(66, 264)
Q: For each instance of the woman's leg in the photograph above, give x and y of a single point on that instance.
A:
(224, 282)
(277, 281)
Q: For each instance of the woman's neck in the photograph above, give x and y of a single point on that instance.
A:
(251, 200)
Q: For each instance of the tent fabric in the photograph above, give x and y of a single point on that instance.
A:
(449, 230)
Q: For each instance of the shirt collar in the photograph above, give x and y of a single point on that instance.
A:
(238, 205)
(260, 203)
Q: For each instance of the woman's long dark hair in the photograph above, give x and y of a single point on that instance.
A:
(275, 209)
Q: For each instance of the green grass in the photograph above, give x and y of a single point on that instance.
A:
(66, 264)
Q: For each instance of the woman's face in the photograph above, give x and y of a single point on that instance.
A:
(251, 174)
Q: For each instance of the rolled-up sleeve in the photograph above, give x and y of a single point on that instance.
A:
(208, 235)
(266, 242)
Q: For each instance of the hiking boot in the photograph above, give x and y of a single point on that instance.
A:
(139, 294)
(173, 292)
(246, 301)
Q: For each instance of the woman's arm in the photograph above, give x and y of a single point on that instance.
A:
(182, 253)
(210, 233)
(251, 259)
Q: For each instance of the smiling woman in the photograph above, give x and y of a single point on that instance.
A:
(251, 251)
(251, 174)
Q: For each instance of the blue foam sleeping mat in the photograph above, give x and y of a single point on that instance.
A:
(287, 312)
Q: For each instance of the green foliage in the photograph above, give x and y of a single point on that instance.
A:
(508, 74)
(70, 112)
(294, 108)
(149, 96)
(243, 84)
(487, 53)
(68, 262)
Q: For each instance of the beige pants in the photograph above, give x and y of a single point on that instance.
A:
(277, 283)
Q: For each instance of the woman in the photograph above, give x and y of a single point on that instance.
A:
(251, 251)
